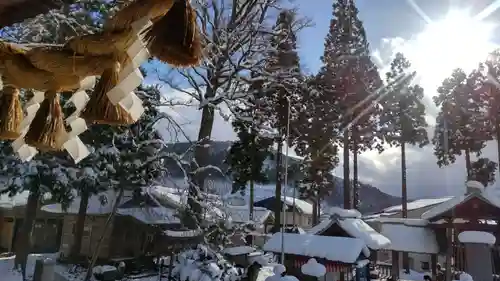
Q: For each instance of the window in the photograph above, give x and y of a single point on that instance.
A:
(309, 221)
(425, 265)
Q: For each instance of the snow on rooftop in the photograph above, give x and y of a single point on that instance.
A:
(241, 214)
(19, 199)
(359, 229)
(151, 215)
(477, 237)
(417, 204)
(313, 268)
(301, 205)
(99, 204)
(239, 250)
(344, 213)
(406, 221)
(412, 239)
(342, 249)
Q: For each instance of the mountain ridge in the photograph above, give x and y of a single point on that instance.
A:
(372, 199)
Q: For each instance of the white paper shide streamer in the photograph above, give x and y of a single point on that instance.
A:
(24, 151)
(130, 76)
(72, 142)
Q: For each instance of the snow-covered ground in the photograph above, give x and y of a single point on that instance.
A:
(7, 264)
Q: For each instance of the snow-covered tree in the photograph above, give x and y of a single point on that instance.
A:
(348, 77)
(282, 91)
(317, 130)
(483, 171)
(460, 124)
(403, 114)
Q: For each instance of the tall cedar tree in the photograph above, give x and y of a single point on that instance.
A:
(491, 94)
(483, 171)
(403, 118)
(403, 115)
(317, 129)
(460, 124)
(348, 75)
(247, 155)
(282, 89)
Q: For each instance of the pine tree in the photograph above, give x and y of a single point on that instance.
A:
(347, 75)
(460, 125)
(282, 92)
(403, 114)
(483, 171)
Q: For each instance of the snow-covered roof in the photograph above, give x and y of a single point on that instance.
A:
(301, 205)
(241, 214)
(412, 239)
(99, 204)
(151, 215)
(239, 250)
(477, 237)
(344, 213)
(406, 221)
(356, 228)
(359, 229)
(417, 204)
(341, 249)
(9, 202)
(487, 195)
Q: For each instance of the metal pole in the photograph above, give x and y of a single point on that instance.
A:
(286, 184)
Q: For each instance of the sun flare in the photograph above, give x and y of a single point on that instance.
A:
(457, 40)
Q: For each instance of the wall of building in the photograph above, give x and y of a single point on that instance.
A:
(301, 220)
(93, 229)
(417, 261)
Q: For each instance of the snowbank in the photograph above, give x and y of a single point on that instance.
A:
(346, 250)
(313, 268)
(478, 237)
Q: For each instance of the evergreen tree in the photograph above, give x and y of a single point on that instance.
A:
(483, 171)
(491, 96)
(348, 76)
(460, 125)
(282, 94)
(317, 129)
(247, 155)
(403, 116)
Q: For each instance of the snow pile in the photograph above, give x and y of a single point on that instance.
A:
(201, 264)
(347, 250)
(313, 268)
(474, 185)
(279, 269)
(264, 273)
(344, 213)
(100, 269)
(465, 277)
(478, 237)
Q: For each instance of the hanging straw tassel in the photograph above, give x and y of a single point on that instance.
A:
(99, 109)
(136, 10)
(174, 38)
(11, 113)
(47, 127)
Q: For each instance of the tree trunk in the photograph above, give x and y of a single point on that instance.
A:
(318, 214)
(97, 249)
(79, 226)
(202, 149)
(497, 132)
(404, 199)
(355, 190)
(277, 195)
(251, 199)
(468, 164)
(23, 243)
(347, 186)
(315, 211)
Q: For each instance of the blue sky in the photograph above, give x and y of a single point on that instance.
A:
(384, 21)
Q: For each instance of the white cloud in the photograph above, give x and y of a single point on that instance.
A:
(424, 177)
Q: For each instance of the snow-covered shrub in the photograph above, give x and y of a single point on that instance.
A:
(202, 264)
